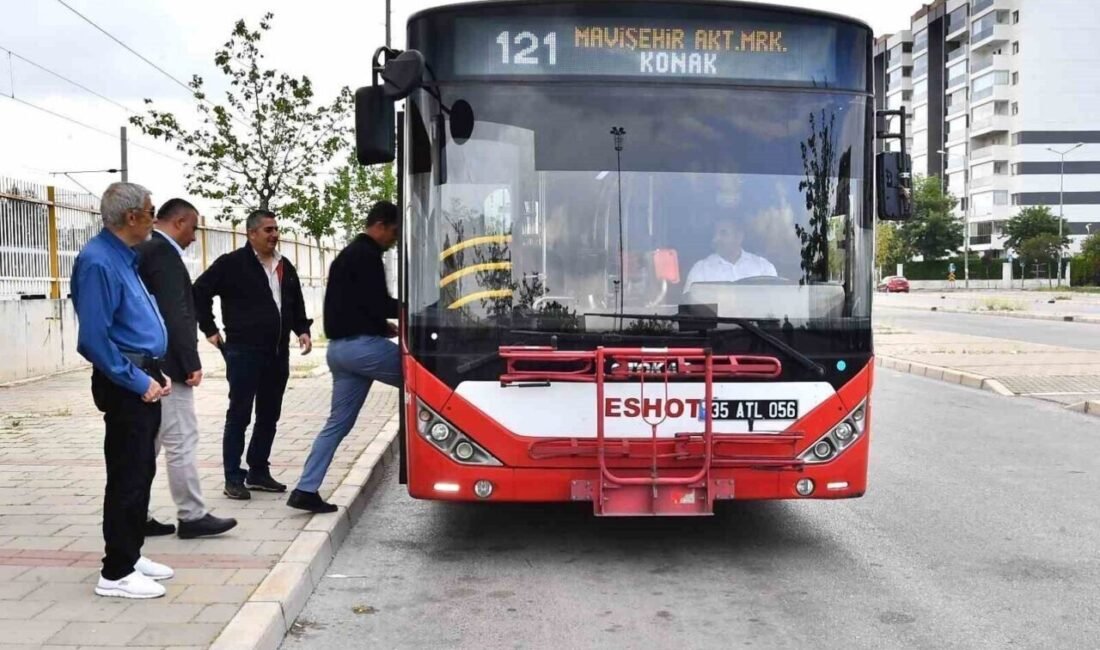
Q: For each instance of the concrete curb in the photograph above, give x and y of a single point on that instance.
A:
(940, 373)
(264, 620)
(1091, 407)
(1060, 318)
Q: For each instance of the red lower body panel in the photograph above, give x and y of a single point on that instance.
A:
(428, 467)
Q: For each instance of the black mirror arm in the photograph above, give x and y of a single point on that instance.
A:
(378, 64)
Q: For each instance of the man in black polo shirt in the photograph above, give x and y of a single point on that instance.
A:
(357, 304)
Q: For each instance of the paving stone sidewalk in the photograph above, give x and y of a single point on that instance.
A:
(1069, 376)
(51, 492)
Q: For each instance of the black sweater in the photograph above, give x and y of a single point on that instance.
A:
(357, 301)
(251, 316)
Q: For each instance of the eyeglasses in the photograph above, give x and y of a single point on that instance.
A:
(152, 211)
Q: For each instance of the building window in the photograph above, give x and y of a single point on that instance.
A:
(1015, 16)
(1015, 108)
(1016, 47)
(1015, 78)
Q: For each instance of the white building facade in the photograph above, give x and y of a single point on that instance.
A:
(997, 89)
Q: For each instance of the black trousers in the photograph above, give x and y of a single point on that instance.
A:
(257, 377)
(129, 448)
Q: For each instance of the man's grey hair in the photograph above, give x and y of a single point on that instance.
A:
(255, 217)
(118, 199)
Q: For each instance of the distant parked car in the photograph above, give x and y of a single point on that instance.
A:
(894, 284)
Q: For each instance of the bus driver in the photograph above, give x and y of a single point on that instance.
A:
(729, 262)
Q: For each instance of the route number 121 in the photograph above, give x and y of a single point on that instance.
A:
(528, 47)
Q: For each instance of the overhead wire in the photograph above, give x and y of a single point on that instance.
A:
(65, 79)
(92, 128)
(159, 69)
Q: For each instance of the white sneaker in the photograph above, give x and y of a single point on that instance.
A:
(134, 585)
(154, 570)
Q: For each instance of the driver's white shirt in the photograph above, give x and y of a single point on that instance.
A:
(715, 268)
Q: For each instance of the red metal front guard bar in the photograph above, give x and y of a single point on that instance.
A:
(539, 363)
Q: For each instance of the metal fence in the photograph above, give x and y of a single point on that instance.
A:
(42, 229)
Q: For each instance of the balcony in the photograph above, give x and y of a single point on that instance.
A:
(906, 59)
(906, 83)
(990, 152)
(957, 108)
(999, 62)
(1000, 212)
(996, 181)
(956, 83)
(998, 93)
(981, 240)
(991, 36)
(957, 28)
(992, 124)
(957, 54)
(977, 8)
(956, 136)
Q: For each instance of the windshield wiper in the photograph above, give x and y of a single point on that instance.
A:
(745, 324)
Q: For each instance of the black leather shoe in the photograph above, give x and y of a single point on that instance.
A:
(264, 484)
(236, 491)
(208, 526)
(310, 501)
(154, 528)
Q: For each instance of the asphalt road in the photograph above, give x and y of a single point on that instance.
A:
(1085, 336)
(971, 536)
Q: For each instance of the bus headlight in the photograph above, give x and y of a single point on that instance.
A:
(445, 437)
(464, 450)
(440, 432)
(837, 439)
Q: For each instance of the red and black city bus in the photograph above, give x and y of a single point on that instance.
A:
(636, 262)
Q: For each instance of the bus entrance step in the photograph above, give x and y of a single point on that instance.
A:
(652, 501)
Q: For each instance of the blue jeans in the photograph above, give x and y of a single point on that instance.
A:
(257, 377)
(355, 362)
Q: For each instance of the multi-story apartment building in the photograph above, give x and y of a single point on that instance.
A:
(997, 89)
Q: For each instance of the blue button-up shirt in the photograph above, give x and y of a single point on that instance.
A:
(116, 314)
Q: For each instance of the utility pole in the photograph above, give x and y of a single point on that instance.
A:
(125, 168)
(387, 23)
(1061, 200)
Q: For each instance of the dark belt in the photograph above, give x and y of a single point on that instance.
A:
(143, 361)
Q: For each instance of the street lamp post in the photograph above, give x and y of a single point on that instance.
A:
(966, 225)
(1061, 199)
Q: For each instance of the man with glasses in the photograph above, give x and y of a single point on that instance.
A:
(261, 303)
(123, 336)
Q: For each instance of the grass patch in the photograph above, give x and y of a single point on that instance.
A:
(1065, 289)
(998, 304)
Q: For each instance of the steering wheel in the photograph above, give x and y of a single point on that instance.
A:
(764, 280)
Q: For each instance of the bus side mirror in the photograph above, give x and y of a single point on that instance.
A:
(375, 126)
(893, 186)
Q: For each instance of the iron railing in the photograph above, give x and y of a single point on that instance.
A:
(43, 228)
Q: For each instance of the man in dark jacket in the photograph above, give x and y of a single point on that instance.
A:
(357, 304)
(165, 275)
(261, 303)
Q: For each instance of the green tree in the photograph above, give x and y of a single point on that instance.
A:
(933, 231)
(1029, 223)
(344, 201)
(1086, 266)
(890, 248)
(268, 138)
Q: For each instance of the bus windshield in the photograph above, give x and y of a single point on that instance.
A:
(572, 202)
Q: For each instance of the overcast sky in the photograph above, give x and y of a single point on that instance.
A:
(330, 41)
